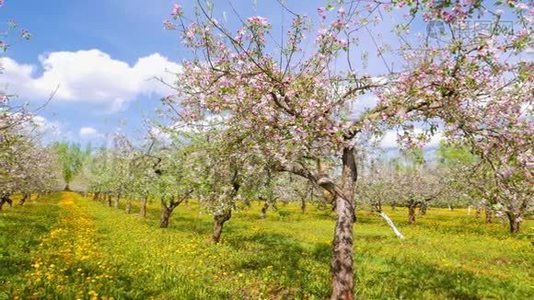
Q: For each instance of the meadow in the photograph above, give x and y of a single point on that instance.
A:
(64, 246)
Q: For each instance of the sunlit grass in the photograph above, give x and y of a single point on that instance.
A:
(100, 252)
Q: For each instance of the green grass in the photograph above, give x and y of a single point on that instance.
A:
(77, 248)
(21, 229)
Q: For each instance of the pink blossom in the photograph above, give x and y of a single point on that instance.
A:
(447, 16)
(339, 24)
(177, 11)
(322, 12)
(258, 21)
(167, 24)
(522, 6)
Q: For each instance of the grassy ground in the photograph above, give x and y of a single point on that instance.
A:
(69, 247)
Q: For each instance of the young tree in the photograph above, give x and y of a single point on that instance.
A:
(174, 181)
(71, 158)
(224, 174)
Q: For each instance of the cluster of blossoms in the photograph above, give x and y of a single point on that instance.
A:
(177, 11)
(258, 21)
(26, 166)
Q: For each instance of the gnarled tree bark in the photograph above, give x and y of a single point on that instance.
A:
(342, 261)
(411, 211)
(5, 199)
(24, 198)
(218, 222)
(166, 210)
(422, 208)
(264, 209)
(165, 216)
(514, 221)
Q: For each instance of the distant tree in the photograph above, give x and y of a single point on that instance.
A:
(71, 159)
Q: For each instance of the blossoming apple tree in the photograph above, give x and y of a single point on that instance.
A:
(289, 101)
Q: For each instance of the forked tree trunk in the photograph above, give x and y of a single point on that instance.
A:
(264, 209)
(411, 212)
(379, 205)
(515, 222)
(218, 222)
(166, 211)
(5, 199)
(165, 216)
(24, 198)
(422, 208)
(142, 209)
(342, 258)
(219, 218)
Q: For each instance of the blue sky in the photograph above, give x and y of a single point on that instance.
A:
(84, 48)
(103, 54)
(123, 30)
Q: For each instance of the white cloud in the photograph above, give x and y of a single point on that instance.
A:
(52, 129)
(90, 133)
(90, 76)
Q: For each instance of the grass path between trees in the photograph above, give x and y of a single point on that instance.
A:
(69, 247)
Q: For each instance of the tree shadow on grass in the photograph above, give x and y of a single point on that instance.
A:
(408, 280)
(190, 225)
(285, 259)
(20, 233)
